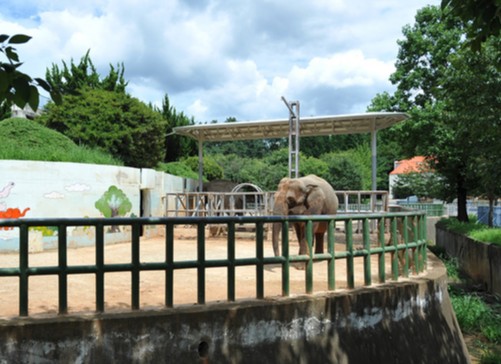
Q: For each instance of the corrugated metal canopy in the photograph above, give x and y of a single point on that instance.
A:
(309, 126)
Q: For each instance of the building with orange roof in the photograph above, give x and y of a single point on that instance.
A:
(414, 165)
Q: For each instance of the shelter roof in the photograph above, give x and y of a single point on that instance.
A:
(279, 128)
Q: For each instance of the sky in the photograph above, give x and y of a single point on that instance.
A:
(219, 59)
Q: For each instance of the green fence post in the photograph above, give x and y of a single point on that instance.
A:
(231, 261)
(416, 251)
(394, 255)
(62, 265)
(286, 264)
(309, 263)
(405, 227)
(331, 266)
(100, 267)
(23, 270)
(200, 263)
(169, 270)
(423, 241)
(136, 233)
(350, 267)
(259, 265)
(382, 255)
(367, 253)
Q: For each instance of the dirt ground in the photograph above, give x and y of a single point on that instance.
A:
(43, 299)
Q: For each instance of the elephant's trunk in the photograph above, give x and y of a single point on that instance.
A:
(276, 233)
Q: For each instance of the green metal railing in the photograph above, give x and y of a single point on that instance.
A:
(431, 209)
(406, 231)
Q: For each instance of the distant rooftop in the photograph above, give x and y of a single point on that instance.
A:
(415, 164)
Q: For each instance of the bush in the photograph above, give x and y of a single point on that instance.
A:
(179, 169)
(115, 122)
(211, 170)
(471, 312)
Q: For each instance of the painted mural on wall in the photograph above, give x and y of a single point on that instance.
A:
(9, 212)
(114, 203)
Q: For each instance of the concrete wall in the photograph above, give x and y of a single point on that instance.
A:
(480, 261)
(406, 322)
(57, 189)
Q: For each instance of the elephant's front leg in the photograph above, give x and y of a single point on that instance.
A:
(301, 237)
(319, 228)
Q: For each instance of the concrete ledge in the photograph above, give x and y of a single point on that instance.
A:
(479, 261)
(406, 322)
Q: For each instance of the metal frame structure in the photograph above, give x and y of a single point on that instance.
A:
(281, 128)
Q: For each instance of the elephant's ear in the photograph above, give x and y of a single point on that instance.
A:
(307, 190)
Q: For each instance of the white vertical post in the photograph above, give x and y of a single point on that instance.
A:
(374, 155)
(200, 166)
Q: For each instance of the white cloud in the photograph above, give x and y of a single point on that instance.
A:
(220, 59)
(54, 195)
(341, 70)
(77, 187)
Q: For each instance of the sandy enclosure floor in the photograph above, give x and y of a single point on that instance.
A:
(43, 296)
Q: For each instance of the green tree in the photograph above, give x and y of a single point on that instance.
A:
(17, 87)
(422, 185)
(344, 173)
(389, 141)
(484, 16)
(72, 79)
(312, 165)
(473, 84)
(421, 69)
(254, 148)
(211, 169)
(115, 122)
(176, 146)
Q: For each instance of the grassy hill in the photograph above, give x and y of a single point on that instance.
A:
(23, 139)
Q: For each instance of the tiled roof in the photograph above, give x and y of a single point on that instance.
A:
(415, 164)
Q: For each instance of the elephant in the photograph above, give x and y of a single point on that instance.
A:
(308, 195)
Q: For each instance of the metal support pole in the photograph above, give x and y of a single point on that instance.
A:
(200, 166)
(374, 155)
(293, 137)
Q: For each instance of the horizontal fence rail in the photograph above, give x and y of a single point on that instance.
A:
(400, 237)
(261, 203)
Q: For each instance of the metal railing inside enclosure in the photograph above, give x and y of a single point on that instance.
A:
(261, 203)
(397, 248)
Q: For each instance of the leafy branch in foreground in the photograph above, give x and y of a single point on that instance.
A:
(15, 86)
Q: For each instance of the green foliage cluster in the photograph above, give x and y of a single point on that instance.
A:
(112, 121)
(176, 146)
(484, 16)
(471, 312)
(23, 139)
(17, 87)
(349, 169)
(212, 170)
(422, 185)
(70, 80)
(178, 169)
